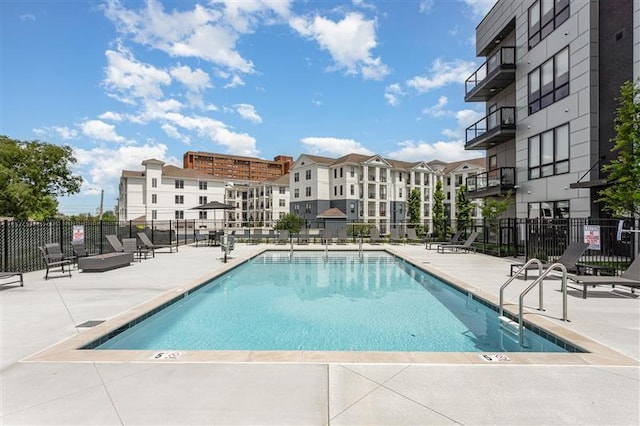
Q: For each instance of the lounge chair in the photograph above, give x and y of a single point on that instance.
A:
(466, 247)
(394, 236)
(629, 278)
(227, 245)
(374, 236)
(455, 239)
(569, 258)
(79, 250)
(303, 236)
(327, 236)
(130, 245)
(115, 243)
(283, 237)
(342, 235)
(4, 275)
(412, 237)
(55, 260)
(150, 245)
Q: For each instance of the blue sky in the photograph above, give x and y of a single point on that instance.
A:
(123, 81)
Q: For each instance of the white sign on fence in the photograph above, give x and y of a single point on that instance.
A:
(78, 233)
(592, 236)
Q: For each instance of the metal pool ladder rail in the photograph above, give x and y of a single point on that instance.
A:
(538, 281)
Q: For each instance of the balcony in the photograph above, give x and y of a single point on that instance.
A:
(495, 128)
(498, 72)
(493, 182)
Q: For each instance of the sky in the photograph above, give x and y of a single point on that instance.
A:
(124, 81)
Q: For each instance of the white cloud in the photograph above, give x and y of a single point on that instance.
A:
(426, 6)
(66, 133)
(441, 150)
(100, 130)
(392, 94)
(128, 77)
(349, 42)
(173, 132)
(438, 110)
(442, 74)
(105, 165)
(244, 15)
(333, 146)
(236, 80)
(464, 119)
(195, 80)
(27, 17)
(479, 8)
(248, 112)
(199, 33)
(111, 116)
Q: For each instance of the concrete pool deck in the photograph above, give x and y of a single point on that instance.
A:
(35, 389)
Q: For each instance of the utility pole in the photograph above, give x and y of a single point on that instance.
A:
(101, 201)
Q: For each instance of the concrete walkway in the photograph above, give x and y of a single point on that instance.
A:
(37, 317)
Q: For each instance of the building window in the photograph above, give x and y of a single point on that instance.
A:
(352, 171)
(549, 210)
(399, 192)
(400, 176)
(202, 215)
(335, 191)
(282, 190)
(179, 184)
(549, 82)
(340, 188)
(493, 162)
(202, 185)
(352, 207)
(352, 189)
(296, 193)
(335, 173)
(202, 200)
(154, 182)
(549, 153)
(154, 214)
(448, 181)
(154, 198)
(458, 180)
(307, 208)
(179, 199)
(296, 209)
(179, 214)
(307, 191)
(544, 17)
(340, 171)
(307, 175)
(296, 177)
(281, 202)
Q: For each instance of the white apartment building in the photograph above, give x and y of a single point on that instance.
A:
(552, 73)
(164, 192)
(369, 189)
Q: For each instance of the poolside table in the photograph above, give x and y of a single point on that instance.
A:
(104, 262)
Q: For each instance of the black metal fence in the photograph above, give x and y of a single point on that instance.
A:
(541, 238)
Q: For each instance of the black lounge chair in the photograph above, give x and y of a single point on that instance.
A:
(395, 237)
(283, 237)
(342, 235)
(374, 236)
(569, 258)
(149, 245)
(629, 278)
(79, 250)
(5, 275)
(327, 236)
(130, 245)
(465, 247)
(303, 236)
(412, 237)
(455, 239)
(54, 258)
(115, 243)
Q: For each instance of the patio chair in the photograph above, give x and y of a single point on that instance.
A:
(130, 245)
(395, 237)
(327, 236)
(374, 236)
(342, 235)
(466, 247)
(150, 245)
(54, 260)
(629, 278)
(412, 237)
(455, 239)
(227, 245)
(201, 235)
(6, 274)
(303, 236)
(283, 237)
(115, 243)
(569, 258)
(79, 250)
(256, 237)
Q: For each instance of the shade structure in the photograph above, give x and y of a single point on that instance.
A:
(213, 205)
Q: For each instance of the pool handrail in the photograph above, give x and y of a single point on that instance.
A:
(518, 272)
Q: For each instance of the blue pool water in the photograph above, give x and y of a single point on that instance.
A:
(339, 303)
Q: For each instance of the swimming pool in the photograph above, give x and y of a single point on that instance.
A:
(319, 302)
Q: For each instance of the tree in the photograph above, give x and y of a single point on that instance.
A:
(32, 175)
(413, 205)
(439, 218)
(622, 197)
(493, 207)
(290, 222)
(464, 207)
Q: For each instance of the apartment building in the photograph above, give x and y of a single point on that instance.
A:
(165, 192)
(369, 189)
(232, 167)
(552, 72)
(454, 176)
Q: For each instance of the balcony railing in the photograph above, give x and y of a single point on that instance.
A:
(495, 128)
(496, 73)
(493, 182)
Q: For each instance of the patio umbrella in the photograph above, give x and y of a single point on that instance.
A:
(213, 205)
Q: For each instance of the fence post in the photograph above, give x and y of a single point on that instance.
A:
(5, 249)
